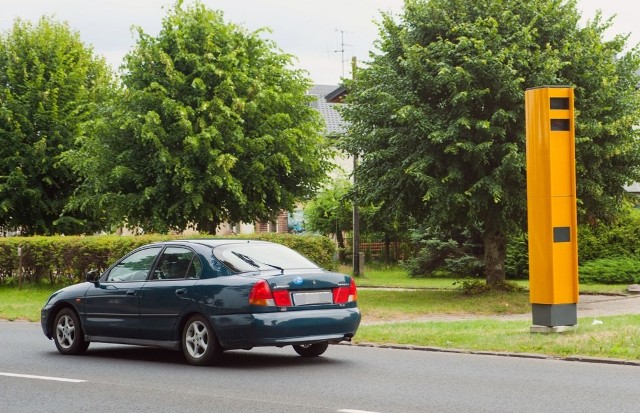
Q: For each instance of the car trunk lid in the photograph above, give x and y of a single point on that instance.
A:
(301, 289)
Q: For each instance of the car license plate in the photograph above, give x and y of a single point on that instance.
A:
(309, 298)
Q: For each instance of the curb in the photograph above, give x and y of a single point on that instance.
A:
(583, 359)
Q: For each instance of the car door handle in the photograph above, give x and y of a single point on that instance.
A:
(131, 292)
(181, 291)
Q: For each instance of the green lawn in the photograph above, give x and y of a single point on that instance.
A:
(395, 276)
(385, 305)
(23, 304)
(617, 337)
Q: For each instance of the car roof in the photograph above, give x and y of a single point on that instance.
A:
(212, 242)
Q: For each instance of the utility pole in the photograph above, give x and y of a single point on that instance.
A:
(356, 221)
(356, 210)
(20, 267)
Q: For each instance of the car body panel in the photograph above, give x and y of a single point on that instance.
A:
(113, 309)
(161, 304)
(71, 296)
(286, 327)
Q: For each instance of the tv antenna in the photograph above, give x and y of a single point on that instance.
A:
(342, 48)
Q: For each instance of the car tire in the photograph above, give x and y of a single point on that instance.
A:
(67, 333)
(199, 342)
(311, 350)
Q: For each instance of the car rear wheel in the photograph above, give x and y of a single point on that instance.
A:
(311, 350)
(68, 334)
(199, 342)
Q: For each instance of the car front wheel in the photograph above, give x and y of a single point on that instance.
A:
(311, 350)
(68, 334)
(199, 342)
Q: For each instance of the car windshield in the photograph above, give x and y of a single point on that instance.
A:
(256, 256)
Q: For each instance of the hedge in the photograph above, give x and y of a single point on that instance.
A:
(66, 259)
(616, 241)
(620, 270)
(606, 241)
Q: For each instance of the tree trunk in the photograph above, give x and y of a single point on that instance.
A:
(387, 254)
(341, 248)
(209, 227)
(495, 251)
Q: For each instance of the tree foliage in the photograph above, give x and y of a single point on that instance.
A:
(331, 213)
(438, 115)
(50, 85)
(213, 125)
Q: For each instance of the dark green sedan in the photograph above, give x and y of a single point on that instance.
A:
(203, 297)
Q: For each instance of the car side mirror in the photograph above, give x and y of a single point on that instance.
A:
(93, 276)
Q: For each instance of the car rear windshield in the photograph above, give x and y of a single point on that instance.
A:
(259, 257)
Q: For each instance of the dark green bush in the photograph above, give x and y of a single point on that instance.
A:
(619, 239)
(606, 251)
(437, 256)
(516, 263)
(595, 242)
(66, 259)
(622, 270)
(471, 287)
(431, 257)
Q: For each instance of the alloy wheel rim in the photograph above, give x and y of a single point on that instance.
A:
(65, 331)
(197, 339)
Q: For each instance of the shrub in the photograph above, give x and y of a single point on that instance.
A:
(516, 263)
(595, 242)
(471, 287)
(619, 239)
(624, 270)
(438, 256)
(64, 259)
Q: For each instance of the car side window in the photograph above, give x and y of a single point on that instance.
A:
(196, 268)
(134, 267)
(177, 263)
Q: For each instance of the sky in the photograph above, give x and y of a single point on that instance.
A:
(323, 35)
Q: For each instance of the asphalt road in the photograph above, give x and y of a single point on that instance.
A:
(347, 379)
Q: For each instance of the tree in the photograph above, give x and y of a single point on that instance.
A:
(331, 213)
(438, 116)
(212, 126)
(50, 85)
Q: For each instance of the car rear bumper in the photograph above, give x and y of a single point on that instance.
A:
(286, 327)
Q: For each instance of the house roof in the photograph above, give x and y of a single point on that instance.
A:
(337, 96)
(334, 123)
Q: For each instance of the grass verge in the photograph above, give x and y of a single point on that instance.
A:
(616, 337)
(386, 305)
(395, 277)
(24, 304)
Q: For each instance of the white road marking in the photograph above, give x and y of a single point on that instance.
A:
(353, 411)
(29, 376)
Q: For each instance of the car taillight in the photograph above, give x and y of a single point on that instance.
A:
(261, 295)
(346, 294)
(282, 298)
